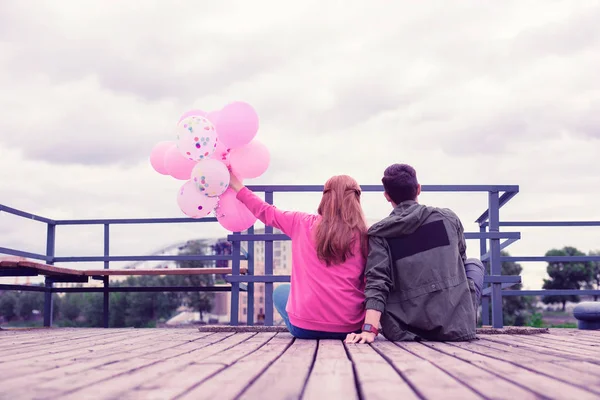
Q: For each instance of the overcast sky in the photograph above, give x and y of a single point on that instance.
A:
(469, 92)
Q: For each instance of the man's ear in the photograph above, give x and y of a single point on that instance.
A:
(387, 197)
(418, 190)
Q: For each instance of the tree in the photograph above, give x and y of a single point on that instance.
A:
(72, 306)
(8, 305)
(566, 275)
(515, 309)
(594, 282)
(199, 301)
(28, 302)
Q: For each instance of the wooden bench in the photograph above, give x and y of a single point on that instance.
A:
(60, 274)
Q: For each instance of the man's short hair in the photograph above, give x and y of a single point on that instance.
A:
(400, 182)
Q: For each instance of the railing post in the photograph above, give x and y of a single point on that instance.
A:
(50, 246)
(495, 263)
(105, 281)
(235, 286)
(250, 291)
(269, 268)
(485, 300)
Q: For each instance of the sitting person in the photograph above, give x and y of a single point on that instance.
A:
(325, 299)
(420, 284)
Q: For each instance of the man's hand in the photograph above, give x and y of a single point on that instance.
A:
(363, 337)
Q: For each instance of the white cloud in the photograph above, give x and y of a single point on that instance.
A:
(468, 93)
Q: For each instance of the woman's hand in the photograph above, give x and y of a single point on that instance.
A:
(234, 182)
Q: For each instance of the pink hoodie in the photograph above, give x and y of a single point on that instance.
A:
(328, 299)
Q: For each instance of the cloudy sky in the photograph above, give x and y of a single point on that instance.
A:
(468, 92)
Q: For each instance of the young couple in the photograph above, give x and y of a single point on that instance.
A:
(407, 276)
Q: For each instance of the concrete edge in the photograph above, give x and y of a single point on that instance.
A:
(510, 330)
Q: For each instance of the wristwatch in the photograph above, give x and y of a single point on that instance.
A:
(370, 328)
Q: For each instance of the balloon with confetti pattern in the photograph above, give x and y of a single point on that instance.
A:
(196, 137)
(211, 177)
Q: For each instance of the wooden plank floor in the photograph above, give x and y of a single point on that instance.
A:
(186, 364)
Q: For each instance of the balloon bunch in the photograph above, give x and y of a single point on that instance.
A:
(208, 146)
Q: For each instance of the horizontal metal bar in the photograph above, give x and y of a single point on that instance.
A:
(562, 292)
(504, 198)
(258, 278)
(24, 214)
(488, 290)
(563, 259)
(548, 224)
(18, 271)
(128, 221)
(24, 288)
(143, 258)
(19, 253)
(502, 279)
(379, 188)
(503, 245)
(140, 289)
(67, 279)
(468, 235)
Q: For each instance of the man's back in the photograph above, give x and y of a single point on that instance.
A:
(424, 285)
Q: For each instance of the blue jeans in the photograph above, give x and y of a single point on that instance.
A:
(280, 299)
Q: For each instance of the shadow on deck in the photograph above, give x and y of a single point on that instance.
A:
(187, 364)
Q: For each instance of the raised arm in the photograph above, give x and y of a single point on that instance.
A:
(267, 213)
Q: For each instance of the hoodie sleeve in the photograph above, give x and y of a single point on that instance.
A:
(268, 213)
(378, 274)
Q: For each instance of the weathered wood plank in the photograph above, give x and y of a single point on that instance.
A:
(55, 351)
(332, 376)
(585, 380)
(573, 342)
(285, 379)
(92, 370)
(526, 355)
(420, 373)
(483, 382)
(172, 376)
(45, 362)
(118, 381)
(28, 339)
(538, 383)
(517, 342)
(567, 348)
(229, 383)
(377, 379)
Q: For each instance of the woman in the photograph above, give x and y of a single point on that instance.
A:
(326, 295)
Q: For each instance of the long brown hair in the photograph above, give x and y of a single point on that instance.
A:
(342, 222)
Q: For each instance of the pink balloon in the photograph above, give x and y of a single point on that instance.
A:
(194, 203)
(177, 165)
(211, 177)
(157, 157)
(196, 138)
(232, 214)
(192, 113)
(250, 161)
(237, 124)
(221, 153)
(213, 116)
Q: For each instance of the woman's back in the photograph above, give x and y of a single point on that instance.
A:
(328, 256)
(324, 298)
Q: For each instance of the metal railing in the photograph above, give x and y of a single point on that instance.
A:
(491, 239)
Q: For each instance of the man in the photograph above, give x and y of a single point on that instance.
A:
(420, 284)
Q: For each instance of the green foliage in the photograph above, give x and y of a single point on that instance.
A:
(594, 282)
(127, 309)
(8, 305)
(516, 309)
(536, 320)
(566, 275)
